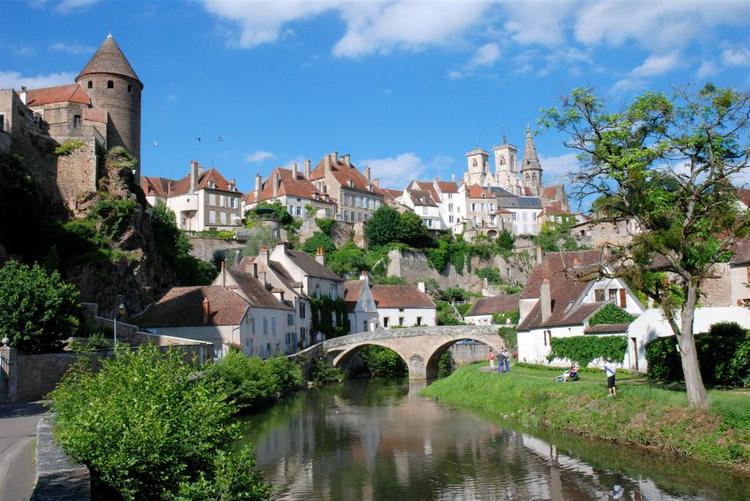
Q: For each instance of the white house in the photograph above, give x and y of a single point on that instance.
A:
(293, 190)
(554, 304)
(482, 311)
(403, 305)
(451, 203)
(256, 323)
(363, 313)
(423, 204)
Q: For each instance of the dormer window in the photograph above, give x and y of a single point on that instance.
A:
(110, 84)
(91, 84)
(350, 183)
(211, 184)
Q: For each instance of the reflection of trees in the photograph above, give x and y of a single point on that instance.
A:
(379, 440)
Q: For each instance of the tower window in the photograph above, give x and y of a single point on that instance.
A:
(76, 121)
(110, 84)
(91, 84)
(130, 89)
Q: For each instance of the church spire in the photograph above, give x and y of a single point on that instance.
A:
(531, 170)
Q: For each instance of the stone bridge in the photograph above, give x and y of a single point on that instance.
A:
(419, 347)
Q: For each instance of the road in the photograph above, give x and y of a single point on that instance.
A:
(17, 433)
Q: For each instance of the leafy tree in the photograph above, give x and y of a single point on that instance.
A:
(505, 242)
(265, 211)
(318, 239)
(347, 260)
(413, 232)
(667, 163)
(383, 227)
(38, 311)
(554, 237)
(259, 236)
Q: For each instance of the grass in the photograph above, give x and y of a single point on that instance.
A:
(641, 414)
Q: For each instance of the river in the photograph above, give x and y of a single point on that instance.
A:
(380, 440)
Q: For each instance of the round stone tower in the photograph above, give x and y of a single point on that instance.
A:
(113, 86)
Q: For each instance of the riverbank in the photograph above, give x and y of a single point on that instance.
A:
(640, 415)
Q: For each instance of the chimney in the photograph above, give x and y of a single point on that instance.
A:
(335, 158)
(539, 254)
(276, 181)
(545, 299)
(453, 178)
(294, 171)
(307, 169)
(363, 275)
(206, 310)
(194, 175)
(23, 94)
(347, 160)
(376, 182)
(258, 183)
(367, 173)
(262, 255)
(320, 256)
(421, 287)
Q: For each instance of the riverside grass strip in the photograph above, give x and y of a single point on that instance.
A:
(641, 414)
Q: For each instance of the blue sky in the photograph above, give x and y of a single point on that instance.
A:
(406, 87)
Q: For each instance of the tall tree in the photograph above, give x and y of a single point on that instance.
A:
(669, 164)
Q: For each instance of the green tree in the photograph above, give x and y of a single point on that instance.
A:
(554, 237)
(259, 236)
(318, 239)
(666, 163)
(413, 232)
(383, 227)
(38, 311)
(273, 211)
(505, 242)
(347, 260)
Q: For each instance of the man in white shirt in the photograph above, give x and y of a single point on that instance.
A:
(609, 371)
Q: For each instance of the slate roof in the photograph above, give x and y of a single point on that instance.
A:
(494, 304)
(183, 307)
(257, 295)
(606, 329)
(108, 58)
(70, 93)
(352, 292)
(289, 186)
(564, 291)
(400, 296)
(309, 265)
(421, 198)
(516, 202)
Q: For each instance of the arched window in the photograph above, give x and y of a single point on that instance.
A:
(91, 84)
(110, 84)
(502, 160)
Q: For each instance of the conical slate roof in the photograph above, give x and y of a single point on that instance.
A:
(530, 158)
(108, 58)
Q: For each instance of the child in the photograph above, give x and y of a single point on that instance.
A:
(491, 358)
(609, 371)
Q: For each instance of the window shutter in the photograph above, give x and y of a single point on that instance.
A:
(622, 298)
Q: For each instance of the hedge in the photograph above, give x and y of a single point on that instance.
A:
(723, 356)
(585, 349)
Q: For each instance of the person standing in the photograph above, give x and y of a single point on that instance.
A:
(500, 362)
(491, 358)
(506, 359)
(609, 371)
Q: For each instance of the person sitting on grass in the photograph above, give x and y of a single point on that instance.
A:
(569, 375)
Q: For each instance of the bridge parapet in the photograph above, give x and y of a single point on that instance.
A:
(452, 331)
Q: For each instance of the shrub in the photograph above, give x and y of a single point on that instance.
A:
(383, 227)
(252, 383)
(348, 260)
(510, 336)
(323, 372)
(722, 356)
(505, 242)
(38, 310)
(325, 225)
(68, 147)
(611, 314)
(585, 349)
(492, 275)
(318, 239)
(324, 309)
(383, 362)
(149, 428)
(502, 318)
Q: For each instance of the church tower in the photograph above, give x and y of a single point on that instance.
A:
(113, 86)
(478, 166)
(506, 170)
(531, 170)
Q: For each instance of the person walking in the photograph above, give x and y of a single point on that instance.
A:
(506, 359)
(609, 371)
(491, 358)
(500, 363)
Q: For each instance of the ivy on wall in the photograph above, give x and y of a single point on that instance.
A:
(585, 349)
(611, 314)
(324, 310)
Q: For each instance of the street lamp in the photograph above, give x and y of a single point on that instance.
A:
(120, 312)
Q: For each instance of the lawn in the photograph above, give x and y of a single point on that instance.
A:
(641, 414)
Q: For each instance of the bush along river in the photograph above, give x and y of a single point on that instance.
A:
(379, 439)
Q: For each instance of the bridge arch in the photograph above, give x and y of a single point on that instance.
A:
(431, 367)
(341, 358)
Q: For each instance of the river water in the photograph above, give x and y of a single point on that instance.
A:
(380, 440)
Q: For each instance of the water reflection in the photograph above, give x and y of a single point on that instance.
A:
(381, 440)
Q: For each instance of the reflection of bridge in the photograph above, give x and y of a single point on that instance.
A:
(419, 347)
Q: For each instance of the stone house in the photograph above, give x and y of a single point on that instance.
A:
(555, 304)
(403, 305)
(202, 200)
(240, 313)
(482, 311)
(293, 190)
(355, 194)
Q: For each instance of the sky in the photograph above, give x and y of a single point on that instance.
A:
(405, 87)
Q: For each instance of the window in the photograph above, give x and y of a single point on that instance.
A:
(419, 320)
(547, 338)
(513, 216)
(317, 291)
(450, 219)
(301, 310)
(91, 84)
(450, 207)
(110, 84)
(290, 319)
(76, 121)
(268, 349)
(613, 295)
(400, 320)
(212, 199)
(221, 200)
(265, 326)
(299, 210)
(598, 295)
(385, 321)
(252, 325)
(332, 295)
(130, 89)
(212, 217)
(364, 326)
(223, 217)
(273, 326)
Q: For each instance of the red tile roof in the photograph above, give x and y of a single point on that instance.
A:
(344, 174)
(391, 195)
(352, 292)
(429, 187)
(447, 187)
(71, 93)
(495, 304)
(476, 191)
(744, 195)
(289, 186)
(156, 186)
(400, 296)
(311, 266)
(183, 307)
(421, 198)
(182, 186)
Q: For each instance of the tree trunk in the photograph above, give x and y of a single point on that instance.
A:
(696, 391)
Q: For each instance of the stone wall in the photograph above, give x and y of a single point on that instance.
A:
(205, 248)
(468, 353)
(58, 477)
(76, 174)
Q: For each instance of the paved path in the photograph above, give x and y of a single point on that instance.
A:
(17, 431)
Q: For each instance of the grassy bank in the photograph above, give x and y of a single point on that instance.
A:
(640, 414)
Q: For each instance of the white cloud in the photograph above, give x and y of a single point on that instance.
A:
(71, 5)
(71, 48)
(627, 84)
(486, 55)
(259, 156)
(707, 68)
(395, 172)
(557, 168)
(538, 23)
(736, 56)
(657, 65)
(14, 80)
